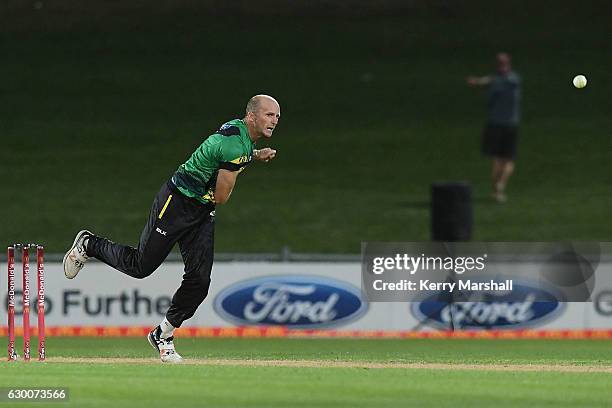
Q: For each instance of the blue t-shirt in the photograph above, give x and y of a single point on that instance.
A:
(503, 100)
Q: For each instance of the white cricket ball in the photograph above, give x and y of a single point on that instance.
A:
(580, 81)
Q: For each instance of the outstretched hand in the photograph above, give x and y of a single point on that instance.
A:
(265, 155)
(472, 81)
(478, 81)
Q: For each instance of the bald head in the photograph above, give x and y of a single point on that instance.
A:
(261, 117)
(504, 62)
(256, 102)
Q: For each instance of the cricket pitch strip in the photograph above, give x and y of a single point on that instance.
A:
(345, 364)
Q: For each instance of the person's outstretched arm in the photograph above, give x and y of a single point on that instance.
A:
(478, 81)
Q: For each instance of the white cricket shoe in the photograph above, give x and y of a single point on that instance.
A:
(165, 347)
(75, 258)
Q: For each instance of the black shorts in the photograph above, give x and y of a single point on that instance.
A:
(500, 141)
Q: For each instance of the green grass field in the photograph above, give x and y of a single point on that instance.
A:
(99, 109)
(324, 382)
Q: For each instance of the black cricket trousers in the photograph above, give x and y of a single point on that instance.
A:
(174, 218)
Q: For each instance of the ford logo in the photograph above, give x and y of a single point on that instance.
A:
(504, 311)
(290, 300)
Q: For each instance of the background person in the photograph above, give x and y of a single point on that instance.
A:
(499, 140)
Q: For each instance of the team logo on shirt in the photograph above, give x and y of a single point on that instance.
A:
(209, 196)
(241, 160)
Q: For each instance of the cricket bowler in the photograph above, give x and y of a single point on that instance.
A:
(184, 211)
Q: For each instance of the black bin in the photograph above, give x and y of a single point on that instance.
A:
(451, 211)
